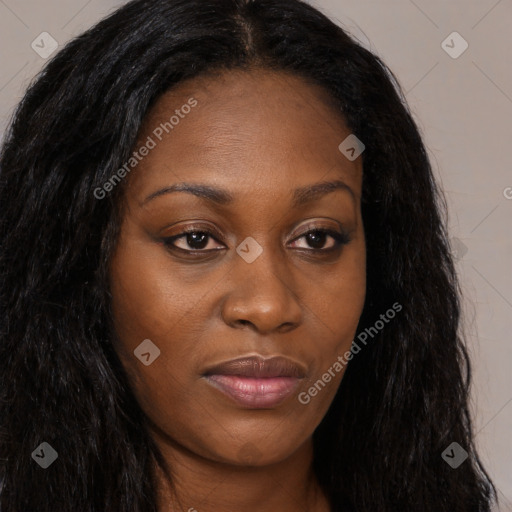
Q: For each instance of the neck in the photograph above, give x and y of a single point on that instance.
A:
(204, 485)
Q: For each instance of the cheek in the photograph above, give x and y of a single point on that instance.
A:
(336, 302)
(146, 306)
(149, 299)
(336, 296)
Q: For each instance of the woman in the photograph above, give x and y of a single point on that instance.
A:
(226, 283)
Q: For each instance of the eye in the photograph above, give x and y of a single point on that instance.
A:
(192, 239)
(317, 238)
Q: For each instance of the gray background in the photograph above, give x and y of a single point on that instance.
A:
(464, 109)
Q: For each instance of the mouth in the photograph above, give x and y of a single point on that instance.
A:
(254, 382)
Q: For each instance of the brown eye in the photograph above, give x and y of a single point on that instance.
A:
(317, 238)
(191, 240)
(196, 239)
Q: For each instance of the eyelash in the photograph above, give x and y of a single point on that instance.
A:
(340, 239)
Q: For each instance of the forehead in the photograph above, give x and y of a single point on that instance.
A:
(255, 130)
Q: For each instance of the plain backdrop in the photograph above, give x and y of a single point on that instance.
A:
(462, 102)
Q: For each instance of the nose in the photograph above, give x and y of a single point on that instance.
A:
(261, 296)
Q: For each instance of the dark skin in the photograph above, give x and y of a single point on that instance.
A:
(259, 135)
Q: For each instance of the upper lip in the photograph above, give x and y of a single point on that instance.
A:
(257, 366)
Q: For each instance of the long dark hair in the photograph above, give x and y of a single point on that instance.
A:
(404, 397)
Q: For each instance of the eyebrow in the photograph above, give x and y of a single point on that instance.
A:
(300, 197)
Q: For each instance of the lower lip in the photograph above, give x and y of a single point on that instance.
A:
(254, 393)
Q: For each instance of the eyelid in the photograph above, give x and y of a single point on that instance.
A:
(305, 229)
(315, 226)
(192, 228)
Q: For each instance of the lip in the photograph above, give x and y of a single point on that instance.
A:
(255, 382)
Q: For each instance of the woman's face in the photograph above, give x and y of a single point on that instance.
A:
(254, 279)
